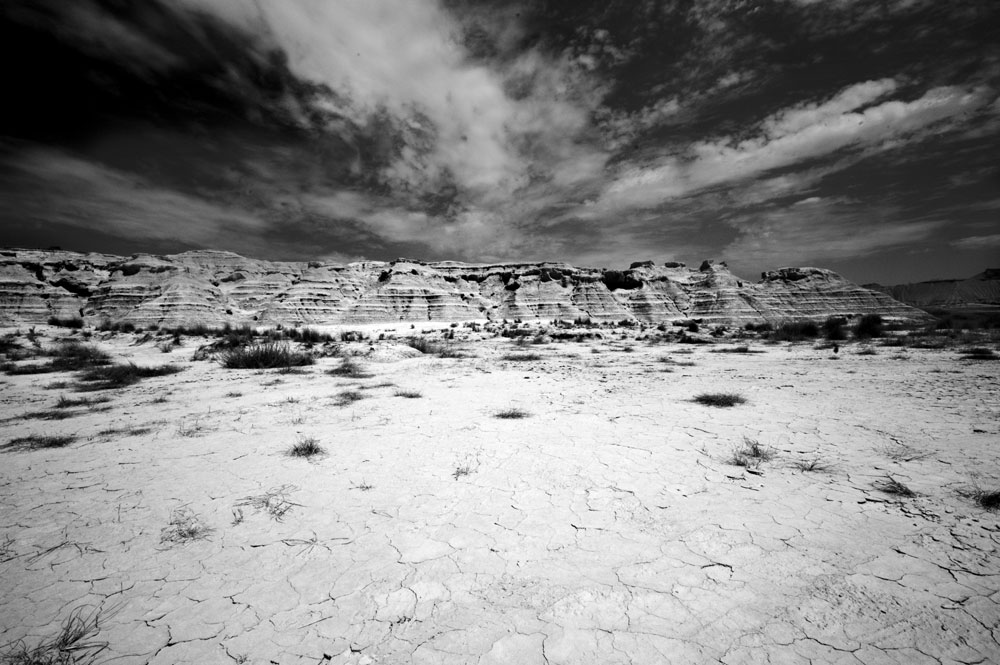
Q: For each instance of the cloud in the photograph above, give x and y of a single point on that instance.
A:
(791, 137)
(978, 242)
(818, 230)
(55, 187)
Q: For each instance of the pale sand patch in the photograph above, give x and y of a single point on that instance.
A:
(606, 526)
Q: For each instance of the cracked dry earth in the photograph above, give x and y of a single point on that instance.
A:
(608, 526)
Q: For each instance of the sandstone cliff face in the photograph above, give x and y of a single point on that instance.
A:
(214, 288)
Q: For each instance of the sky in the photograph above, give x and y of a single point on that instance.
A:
(861, 136)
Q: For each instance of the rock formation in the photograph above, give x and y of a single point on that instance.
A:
(980, 291)
(215, 288)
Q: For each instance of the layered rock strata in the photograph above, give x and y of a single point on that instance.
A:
(215, 288)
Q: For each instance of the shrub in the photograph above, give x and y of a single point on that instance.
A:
(35, 442)
(870, 325)
(743, 348)
(795, 331)
(521, 357)
(511, 414)
(719, 399)
(120, 376)
(117, 326)
(408, 394)
(351, 369)
(834, 328)
(269, 355)
(68, 322)
(979, 353)
(306, 447)
(990, 500)
(348, 397)
(185, 526)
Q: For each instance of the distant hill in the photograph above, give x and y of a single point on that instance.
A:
(980, 291)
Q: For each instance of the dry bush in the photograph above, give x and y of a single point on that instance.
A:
(719, 399)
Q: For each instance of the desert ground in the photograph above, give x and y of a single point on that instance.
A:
(832, 517)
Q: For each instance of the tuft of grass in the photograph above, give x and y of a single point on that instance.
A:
(743, 348)
(66, 357)
(813, 465)
(890, 485)
(37, 442)
(68, 402)
(73, 645)
(124, 431)
(120, 376)
(348, 397)
(185, 526)
(351, 369)
(511, 414)
(274, 502)
(988, 499)
(51, 414)
(408, 394)
(270, 355)
(979, 353)
(751, 454)
(307, 447)
(676, 363)
(521, 357)
(719, 399)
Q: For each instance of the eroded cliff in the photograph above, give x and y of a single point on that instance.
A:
(215, 288)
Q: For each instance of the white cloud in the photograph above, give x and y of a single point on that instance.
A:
(408, 59)
(790, 137)
(978, 242)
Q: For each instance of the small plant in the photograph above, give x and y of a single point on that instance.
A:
(364, 486)
(813, 465)
(270, 355)
(751, 454)
(348, 397)
(120, 376)
(234, 393)
(351, 369)
(719, 399)
(74, 645)
(890, 485)
(979, 353)
(511, 414)
(66, 322)
(184, 527)
(37, 442)
(521, 357)
(307, 447)
(408, 394)
(461, 471)
(274, 502)
(988, 499)
(68, 402)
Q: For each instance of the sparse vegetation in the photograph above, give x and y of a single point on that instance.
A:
(270, 355)
(979, 353)
(348, 397)
(870, 325)
(511, 414)
(351, 369)
(120, 376)
(750, 454)
(69, 403)
(719, 399)
(813, 466)
(66, 357)
(521, 357)
(73, 645)
(185, 526)
(37, 442)
(890, 485)
(66, 322)
(274, 502)
(307, 447)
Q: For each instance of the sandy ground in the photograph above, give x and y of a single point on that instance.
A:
(608, 526)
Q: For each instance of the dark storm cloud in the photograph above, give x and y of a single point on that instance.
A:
(486, 129)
